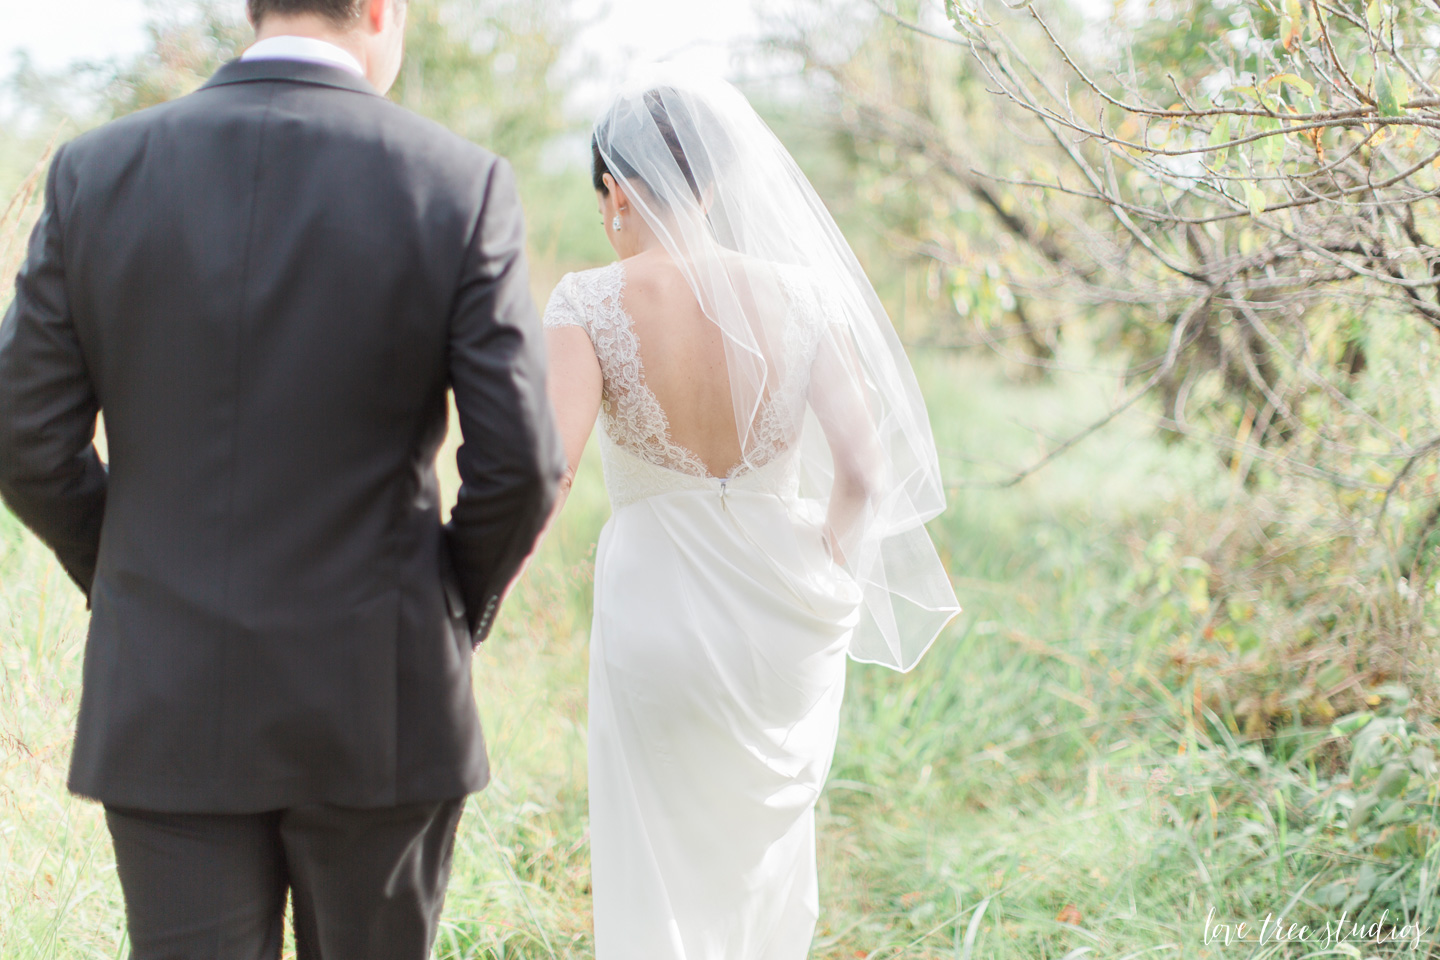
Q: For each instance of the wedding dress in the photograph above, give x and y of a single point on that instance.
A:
(722, 622)
(717, 666)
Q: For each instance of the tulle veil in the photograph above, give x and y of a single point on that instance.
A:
(730, 204)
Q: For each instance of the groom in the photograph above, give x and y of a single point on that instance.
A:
(268, 287)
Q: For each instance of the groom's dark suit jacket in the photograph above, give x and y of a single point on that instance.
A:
(267, 288)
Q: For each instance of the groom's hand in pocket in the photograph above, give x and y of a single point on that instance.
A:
(510, 461)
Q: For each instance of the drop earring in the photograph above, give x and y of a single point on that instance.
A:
(616, 223)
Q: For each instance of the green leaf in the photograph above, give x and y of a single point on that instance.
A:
(1272, 146)
(1397, 693)
(1303, 86)
(1400, 87)
(1394, 811)
(1254, 198)
(1364, 806)
(1246, 639)
(1393, 778)
(961, 16)
(1350, 723)
(1221, 134)
(1370, 747)
(1385, 92)
(1422, 758)
(1331, 675)
(1374, 16)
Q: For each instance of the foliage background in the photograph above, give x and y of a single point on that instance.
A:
(1192, 680)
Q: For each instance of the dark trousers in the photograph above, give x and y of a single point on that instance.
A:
(365, 884)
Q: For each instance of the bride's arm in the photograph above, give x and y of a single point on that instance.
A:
(845, 417)
(575, 383)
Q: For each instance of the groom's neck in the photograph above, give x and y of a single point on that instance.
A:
(314, 28)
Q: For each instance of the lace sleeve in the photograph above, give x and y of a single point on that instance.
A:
(814, 311)
(564, 310)
(832, 310)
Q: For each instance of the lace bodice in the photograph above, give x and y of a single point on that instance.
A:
(636, 437)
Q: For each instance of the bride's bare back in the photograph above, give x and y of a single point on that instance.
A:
(650, 351)
(634, 336)
(683, 354)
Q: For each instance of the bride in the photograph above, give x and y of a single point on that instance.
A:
(770, 467)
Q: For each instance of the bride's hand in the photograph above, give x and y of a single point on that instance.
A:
(832, 546)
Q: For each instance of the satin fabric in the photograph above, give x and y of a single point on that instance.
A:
(717, 670)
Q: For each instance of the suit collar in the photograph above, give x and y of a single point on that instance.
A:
(289, 71)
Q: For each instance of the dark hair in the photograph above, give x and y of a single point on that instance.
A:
(343, 12)
(666, 117)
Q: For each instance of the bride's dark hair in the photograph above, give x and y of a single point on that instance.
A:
(668, 110)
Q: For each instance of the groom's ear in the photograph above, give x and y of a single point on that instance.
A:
(375, 15)
(381, 13)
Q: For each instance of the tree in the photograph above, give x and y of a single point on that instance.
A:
(487, 71)
(1240, 200)
(1218, 196)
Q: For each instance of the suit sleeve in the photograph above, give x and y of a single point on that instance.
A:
(50, 473)
(510, 460)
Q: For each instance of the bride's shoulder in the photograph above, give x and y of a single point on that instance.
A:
(791, 277)
(806, 294)
(596, 281)
(580, 293)
(798, 278)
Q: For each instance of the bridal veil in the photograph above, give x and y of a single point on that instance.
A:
(734, 210)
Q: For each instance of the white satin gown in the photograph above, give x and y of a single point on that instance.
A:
(717, 667)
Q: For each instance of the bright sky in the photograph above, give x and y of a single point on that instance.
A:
(57, 32)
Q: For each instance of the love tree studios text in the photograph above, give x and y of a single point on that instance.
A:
(1276, 929)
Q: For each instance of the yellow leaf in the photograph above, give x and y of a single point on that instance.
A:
(1292, 22)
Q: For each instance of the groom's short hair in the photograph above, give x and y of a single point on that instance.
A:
(339, 11)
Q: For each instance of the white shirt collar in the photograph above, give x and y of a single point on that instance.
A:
(304, 48)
